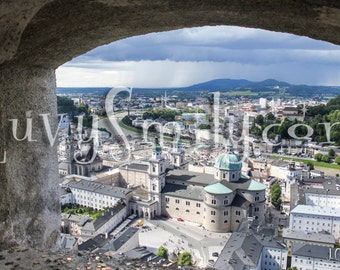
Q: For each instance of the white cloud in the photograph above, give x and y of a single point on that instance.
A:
(189, 56)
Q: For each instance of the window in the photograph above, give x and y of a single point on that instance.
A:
(153, 168)
(212, 221)
(197, 213)
(226, 221)
(237, 213)
(187, 210)
(213, 201)
(213, 213)
(176, 201)
(256, 209)
(167, 200)
(225, 213)
(198, 205)
(187, 203)
(177, 208)
(257, 198)
(225, 202)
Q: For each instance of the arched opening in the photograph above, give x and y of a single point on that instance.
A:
(39, 43)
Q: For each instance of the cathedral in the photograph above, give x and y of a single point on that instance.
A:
(81, 157)
(219, 202)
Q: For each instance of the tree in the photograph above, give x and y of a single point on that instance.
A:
(326, 158)
(331, 152)
(318, 157)
(185, 258)
(163, 252)
(310, 165)
(337, 160)
(275, 194)
(292, 268)
(270, 116)
(259, 119)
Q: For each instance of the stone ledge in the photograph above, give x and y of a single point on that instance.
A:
(18, 258)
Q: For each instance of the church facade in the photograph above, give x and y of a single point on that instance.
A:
(218, 202)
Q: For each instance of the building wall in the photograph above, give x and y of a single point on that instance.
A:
(322, 200)
(315, 223)
(66, 198)
(187, 209)
(253, 196)
(136, 178)
(274, 258)
(92, 199)
(310, 263)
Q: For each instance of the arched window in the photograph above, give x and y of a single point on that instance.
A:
(226, 221)
(212, 221)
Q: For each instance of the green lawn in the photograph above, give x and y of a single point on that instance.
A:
(314, 162)
(82, 211)
(140, 131)
(122, 125)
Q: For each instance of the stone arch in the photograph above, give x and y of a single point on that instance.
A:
(39, 36)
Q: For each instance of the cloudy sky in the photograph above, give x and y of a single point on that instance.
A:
(193, 55)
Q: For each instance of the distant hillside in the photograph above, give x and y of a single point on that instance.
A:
(229, 84)
(265, 88)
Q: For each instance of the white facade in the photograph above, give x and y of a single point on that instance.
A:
(263, 103)
(274, 258)
(98, 196)
(315, 219)
(323, 200)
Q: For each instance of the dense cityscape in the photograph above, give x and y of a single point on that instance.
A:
(223, 180)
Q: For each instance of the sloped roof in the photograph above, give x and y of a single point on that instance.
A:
(218, 188)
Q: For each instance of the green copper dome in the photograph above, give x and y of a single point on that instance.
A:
(228, 162)
(217, 188)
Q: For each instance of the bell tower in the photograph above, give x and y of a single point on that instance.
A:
(177, 156)
(69, 152)
(156, 175)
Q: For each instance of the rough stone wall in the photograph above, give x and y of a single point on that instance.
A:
(29, 204)
(36, 36)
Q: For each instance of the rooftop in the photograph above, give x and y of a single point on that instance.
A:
(311, 236)
(316, 210)
(217, 188)
(109, 190)
(313, 251)
(189, 192)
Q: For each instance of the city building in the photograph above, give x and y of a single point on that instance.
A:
(311, 257)
(246, 250)
(97, 196)
(308, 218)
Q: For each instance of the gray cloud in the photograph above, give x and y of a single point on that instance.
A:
(193, 55)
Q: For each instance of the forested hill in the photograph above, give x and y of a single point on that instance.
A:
(264, 88)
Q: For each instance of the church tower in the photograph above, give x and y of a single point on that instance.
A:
(291, 178)
(177, 156)
(156, 175)
(69, 152)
